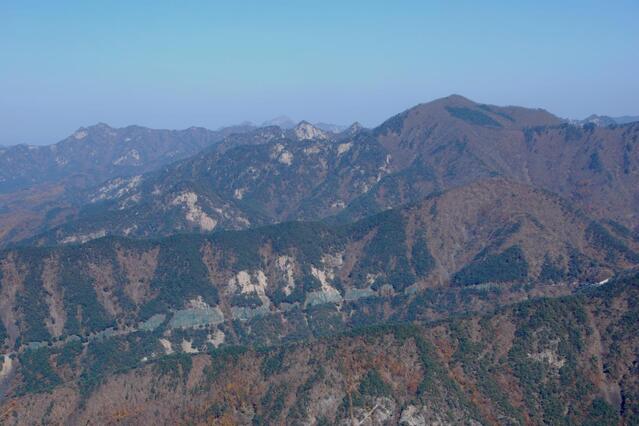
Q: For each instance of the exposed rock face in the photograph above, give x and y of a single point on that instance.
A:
(193, 212)
(42, 183)
(488, 237)
(305, 130)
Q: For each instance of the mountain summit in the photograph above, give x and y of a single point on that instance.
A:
(305, 130)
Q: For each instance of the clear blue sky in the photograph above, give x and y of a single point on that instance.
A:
(181, 63)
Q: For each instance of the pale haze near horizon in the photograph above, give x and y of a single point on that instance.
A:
(64, 65)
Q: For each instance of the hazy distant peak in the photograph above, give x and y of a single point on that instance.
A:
(354, 128)
(330, 127)
(597, 120)
(245, 123)
(286, 123)
(83, 132)
(282, 121)
(626, 119)
(604, 120)
(305, 130)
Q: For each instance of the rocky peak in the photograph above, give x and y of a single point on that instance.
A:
(99, 128)
(305, 130)
(354, 128)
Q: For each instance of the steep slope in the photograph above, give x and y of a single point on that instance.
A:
(596, 168)
(269, 178)
(273, 175)
(564, 361)
(453, 141)
(492, 236)
(38, 183)
(453, 121)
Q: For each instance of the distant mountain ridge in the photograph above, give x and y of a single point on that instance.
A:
(35, 179)
(271, 175)
(604, 120)
(287, 123)
(100, 152)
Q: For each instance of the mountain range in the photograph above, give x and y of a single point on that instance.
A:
(270, 175)
(100, 152)
(492, 231)
(461, 263)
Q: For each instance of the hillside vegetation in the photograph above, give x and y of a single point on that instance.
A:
(569, 360)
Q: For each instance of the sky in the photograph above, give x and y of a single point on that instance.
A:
(170, 64)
